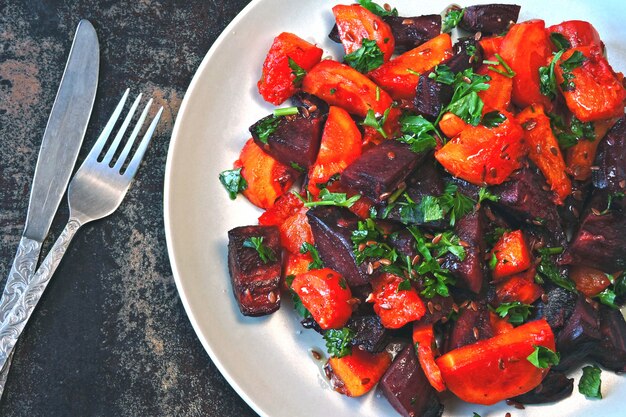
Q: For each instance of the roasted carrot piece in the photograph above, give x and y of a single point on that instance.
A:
(425, 346)
(277, 80)
(296, 263)
(544, 151)
(356, 23)
(495, 369)
(498, 324)
(340, 145)
(589, 281)
(512, 255)
(592, 90)
(399, 77)
(267, 178)
(295, 231)
(326, 295)
(520, 287)
(498, 95)
(395, 307)
(525, 48)
(578, 33)
(286, 206)
(579, 158)
(356, 374)
(452, 125)
(485, 155)
(491, 45)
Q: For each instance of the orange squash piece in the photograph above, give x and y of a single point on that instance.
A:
(356, 374)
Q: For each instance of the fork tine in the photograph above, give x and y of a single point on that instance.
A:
(106, 132)
(120, 134)
(133, 166)
(131, 140)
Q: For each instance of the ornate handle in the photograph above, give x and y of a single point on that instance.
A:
(15, 322)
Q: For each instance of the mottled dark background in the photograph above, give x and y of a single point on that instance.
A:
(110, 336)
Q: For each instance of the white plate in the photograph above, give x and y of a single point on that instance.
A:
(267, 360)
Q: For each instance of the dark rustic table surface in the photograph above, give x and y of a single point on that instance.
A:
(110, 336)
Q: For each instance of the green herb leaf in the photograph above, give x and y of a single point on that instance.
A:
(369, 242)
(493, 119)
(590, 384)
(233, 181)
(508, 71)
(465, 101)
(265, 252)
(286, 111)
(442, 74)
(297, 302)
(450, 243)
(476, 415)
(469, 108)
(297, 71)
(376, 123)
(493, 261)
(417, 133)
(560, 41)
(610, 198)
(619, 285)
(547, 269)
(435, 278)
(367, 58)
(516, 312)
(297, 167)
(485, 194)
(266, 127)
(455, 204)
(452, 19)
(317, 261)
(547, 78)
(543, 358)
(405, 285)
(338, 342)
(327, 198)
(607, 297)
(570, 135)
(571, 63)
(378, 10)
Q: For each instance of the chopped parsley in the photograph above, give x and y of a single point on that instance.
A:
(369, 242)
(465, 101)
(485, 194)
(560, 41)
(452, 19)
(297, 71)
(543, 358)
(265, 127)
(338, 342)
(508, 71)
(547, 269)
(590, 384)
(377, 9)
(317, 261)
(516, 312)
(376, 123)
(286, 111)
(417, 133)
(233, 181)
(442, 74)
(547, 78)
(297, 302)
(451, 203)
(455, 203)
(609, 202)
(367, 58)
(265, 252)
(567, 66)
(327, 198)
(570, 135)
(493, 119)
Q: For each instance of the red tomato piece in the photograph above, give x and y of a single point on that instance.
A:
(496, 369)
(589, 281)
(356, 23)
(578, 33)
(326, 295)
(277, 80)
(340, 145)
(482, 155)
(525, 48)
(295, 231)
(520, 287)
(395, 308)
(544, 150)
(512, 255)
(425, 346)
(597, 92)
(286, 206)
(267, 178)
(356, 374)
(399, 77)
(341, 85)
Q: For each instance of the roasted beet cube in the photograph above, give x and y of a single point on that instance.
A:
(579, 336)
(381, 169)
(411, 32)
(471, 229)
(332, 230)
(600, 242)
(467, 54)
(611, 160)
(489, 18)
(309, 105)
(611, 351)
(557, 308)
(431, 97)
(472, 325)
(369, 333)
(292, 140)
(441, 307)
(256, 281)
(405, 386)
(554, 387)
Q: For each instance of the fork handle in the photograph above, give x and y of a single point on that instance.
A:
(15, 322)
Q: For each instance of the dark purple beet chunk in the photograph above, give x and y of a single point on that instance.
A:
(579, 336)
(369, 333)
(334, 34)
(554, 387)
(611, 159)
(404, 243)
(381, 169)
(256, 285)
(611, 351)
(309, 105)
(471, 229)
(489, 18)
(406, 388)
(467, 54)
(463, 333)
(295, 141)
(442, 307)
(430, 97)
(558, 307)
(332, 229)
(411, 32)
(524, 198)
(600, 242)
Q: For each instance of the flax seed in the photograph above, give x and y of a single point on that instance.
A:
(375, 25)
(385, 306)
(475, 331)
(437, 239)
(316, 355)
(444, 320)
(430, 307)
(545, 298)
(407, 22)
(349, 36)
(361, 247)
(370, 268)
(472, 305)
(385, 262)
(455, 308)
(271, 297)
(437, 307)
(622, 184)
(507, 415)
(595, 211)
(554, 151)
(376, 264)
(371, 243)
(478, 36)
(415, 260)
(500, 363)
(365, 381)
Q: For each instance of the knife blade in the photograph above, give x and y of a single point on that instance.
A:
(59, 149)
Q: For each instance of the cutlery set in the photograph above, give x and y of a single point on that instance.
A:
(95, 191)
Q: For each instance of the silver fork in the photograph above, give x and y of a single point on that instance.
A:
(96, 190)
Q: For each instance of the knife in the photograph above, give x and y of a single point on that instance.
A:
(60, 145)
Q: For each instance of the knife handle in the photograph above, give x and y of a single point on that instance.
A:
(22, 271)
(17, 318)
